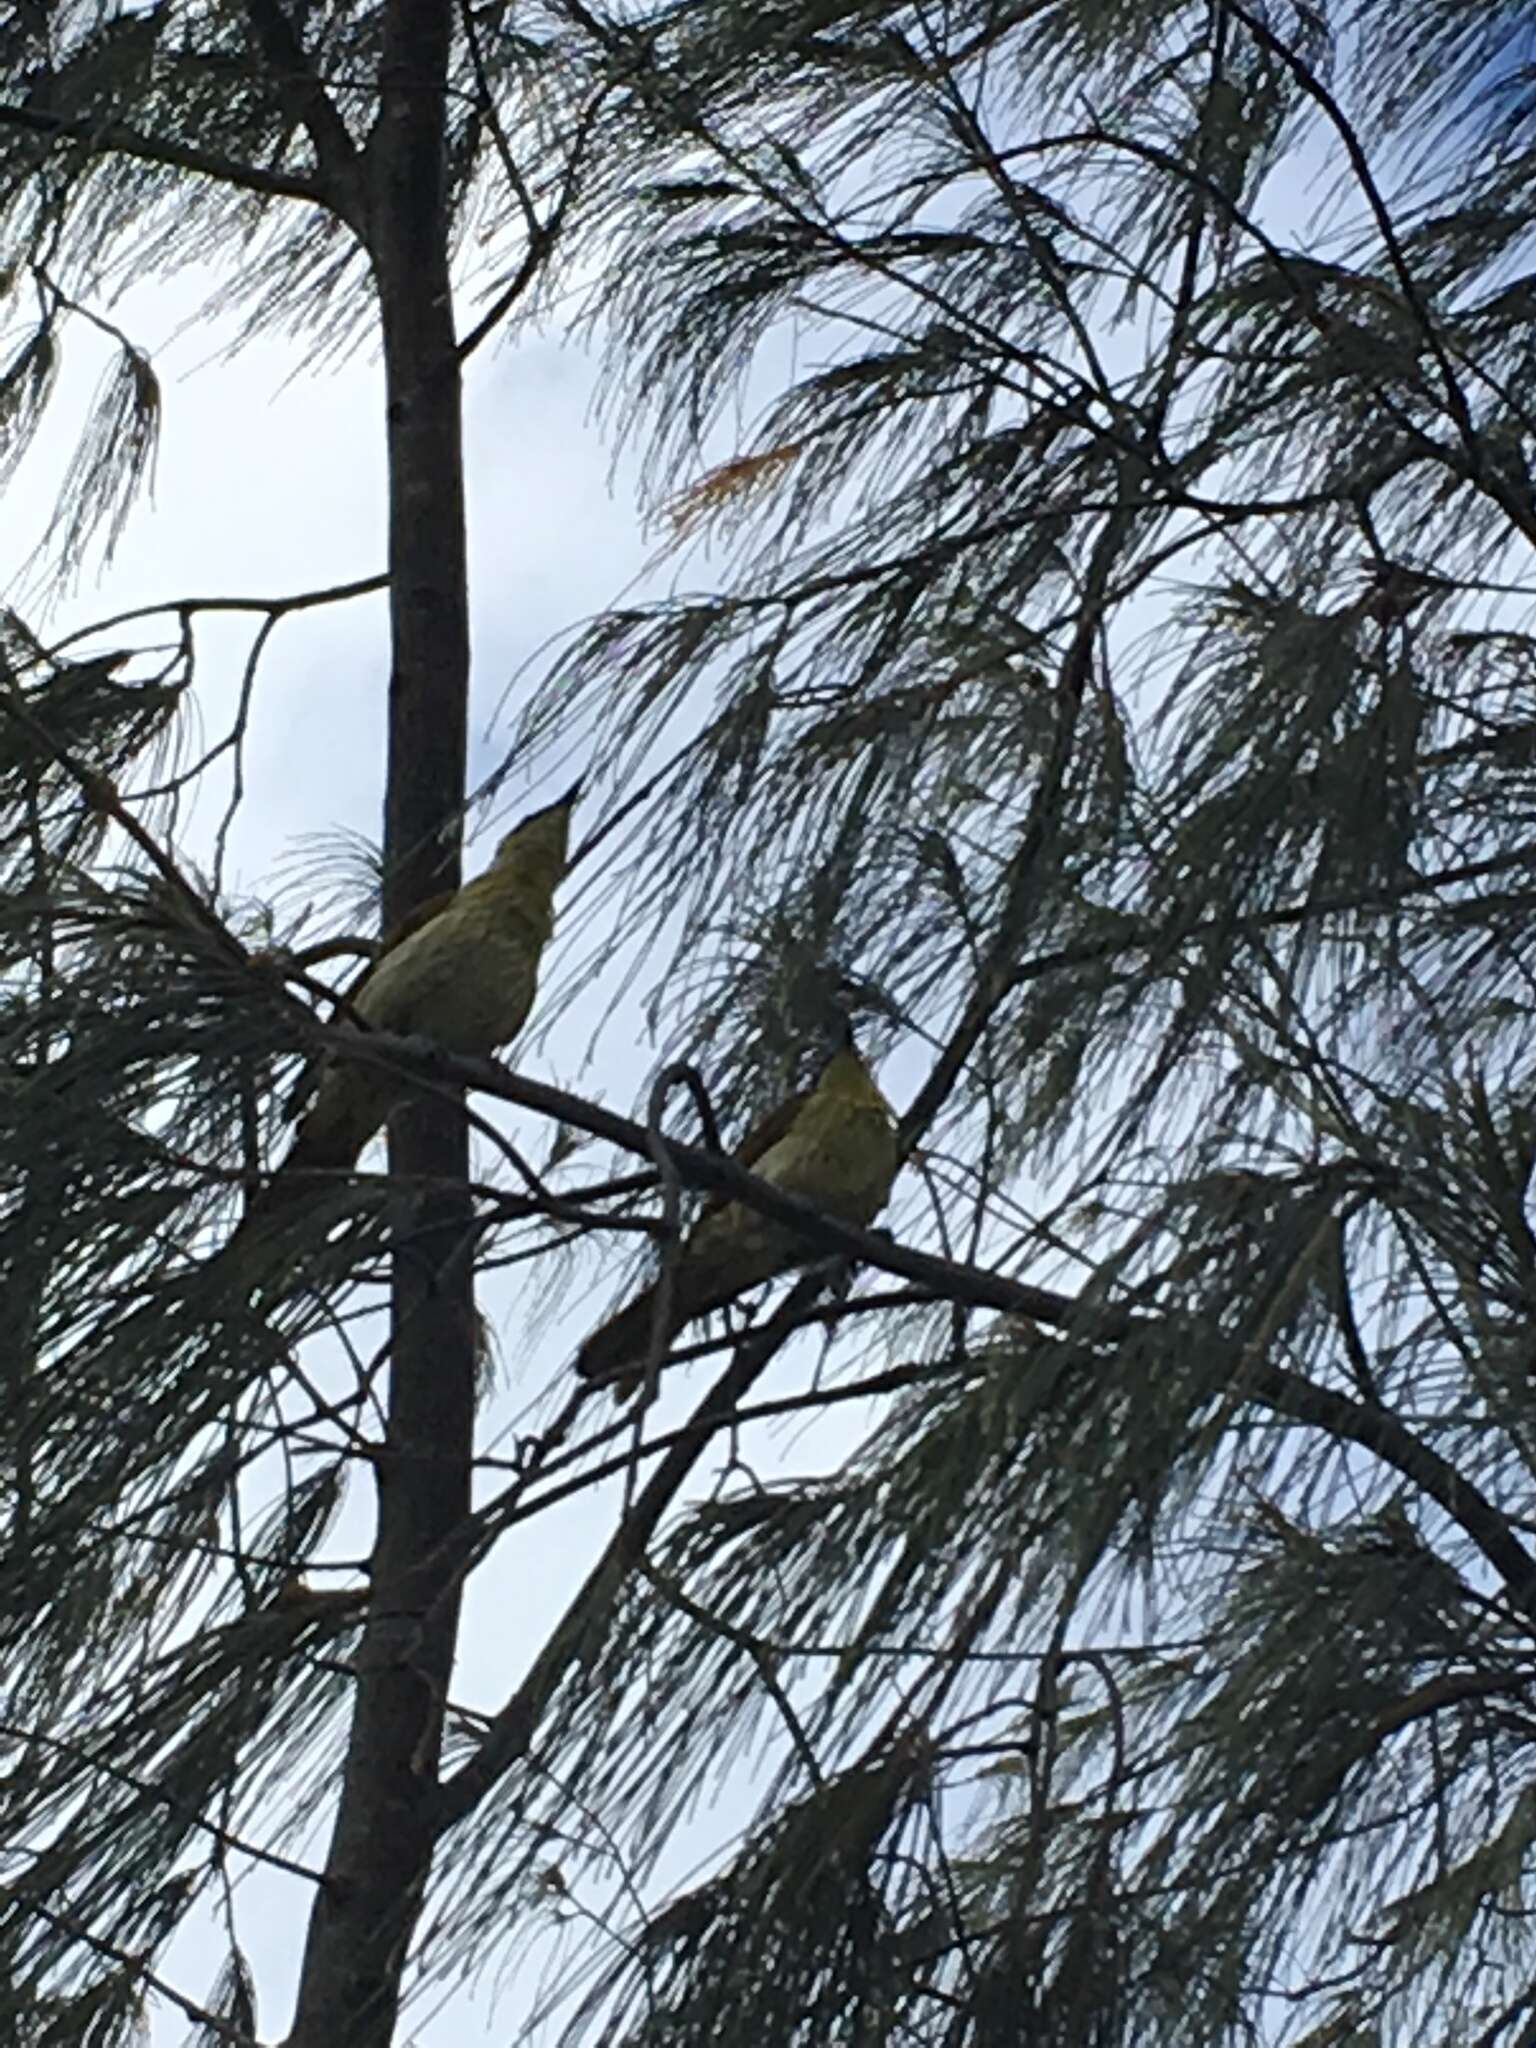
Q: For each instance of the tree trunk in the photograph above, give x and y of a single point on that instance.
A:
(381, 1852)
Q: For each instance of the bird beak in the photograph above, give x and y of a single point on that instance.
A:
(559, 803)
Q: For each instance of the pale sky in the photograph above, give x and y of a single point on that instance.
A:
(270, 480)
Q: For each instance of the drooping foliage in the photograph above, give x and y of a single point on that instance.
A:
(1099, 436)
(1112, 639)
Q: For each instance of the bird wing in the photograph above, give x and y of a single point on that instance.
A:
(760, 1139)
(308, 1079)
(403, 928)
(762, 1136)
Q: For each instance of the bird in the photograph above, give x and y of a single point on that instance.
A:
(464, 975)
(834, 1144)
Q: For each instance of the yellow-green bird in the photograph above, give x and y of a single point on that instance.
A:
(834, 1145)
(464, 975)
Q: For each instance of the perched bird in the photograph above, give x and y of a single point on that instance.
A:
(834, 1145)
(464, 976)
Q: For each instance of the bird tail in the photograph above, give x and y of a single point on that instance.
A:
(617, 1349)
(323, 1144)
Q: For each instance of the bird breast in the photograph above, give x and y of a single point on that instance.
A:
(469, 990)
(841, 1157)
(844, 1162)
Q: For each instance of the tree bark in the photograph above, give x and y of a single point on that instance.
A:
(385, 1834)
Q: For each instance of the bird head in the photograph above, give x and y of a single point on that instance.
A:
(847, 1004)
(538, 844)
(845, 1077)
(839, 1045)
(850, 1006)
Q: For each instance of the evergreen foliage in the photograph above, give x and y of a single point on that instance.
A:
(1105, 644)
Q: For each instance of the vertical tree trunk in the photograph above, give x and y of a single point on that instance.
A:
(381, 1852)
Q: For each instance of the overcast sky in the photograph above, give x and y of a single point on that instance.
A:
(270, 480)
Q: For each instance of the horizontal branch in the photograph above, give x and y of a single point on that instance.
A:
(715, 1173)
(113, 138)
(185, 607)
(1287, 1393)
(1377, 1430)
(1283, 1392)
